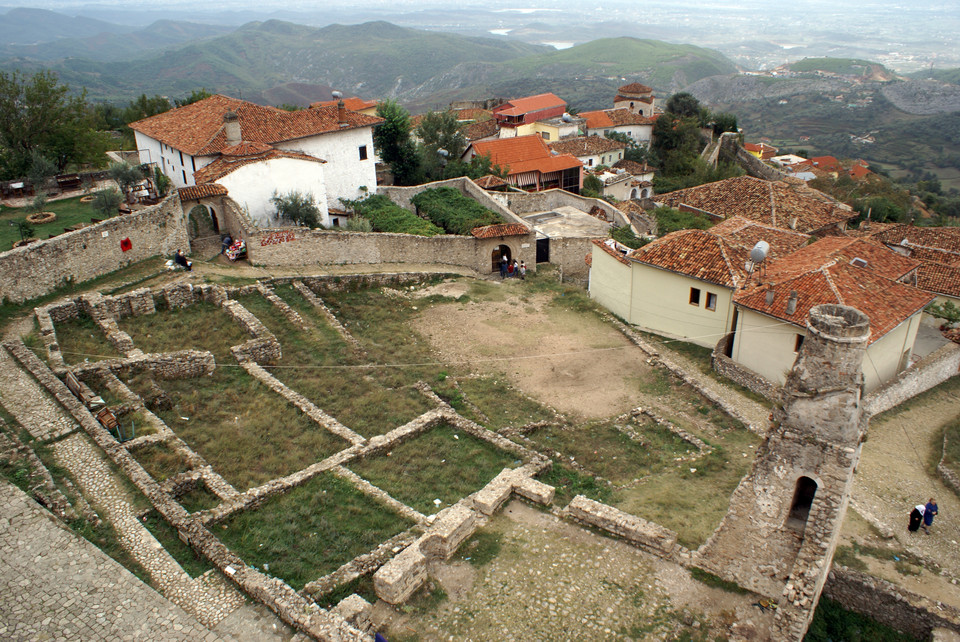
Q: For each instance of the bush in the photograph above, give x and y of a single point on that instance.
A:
(106, 202)
(162, 181)
(125, 175)
(454, 212)
(358, 224)
(387, 216)
(625, 236)
(297, 207)
(671, 220)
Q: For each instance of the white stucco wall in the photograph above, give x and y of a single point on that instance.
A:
(344, 173)
(660, 302)
(253, 185)
(766, 346)
(611, 283)
(168, 159)
(609, 158)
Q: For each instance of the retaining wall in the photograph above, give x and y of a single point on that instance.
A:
(40, 268)
(737, 373)
(929, 372)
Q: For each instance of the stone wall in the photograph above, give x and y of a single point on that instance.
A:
(40, 268)
(551, 199)
(900, 609)
(733, 151)
(931, 371)
(739, 374)
(652, 537)
(403, 196)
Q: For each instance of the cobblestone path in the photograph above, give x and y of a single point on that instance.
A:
(23, 397)
(209, 597)
(57, 586)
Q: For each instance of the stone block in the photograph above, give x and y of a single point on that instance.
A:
(535, 491)
(355, 610)
(451, 528)
(402, 576)
(493, 495)
(634, 529)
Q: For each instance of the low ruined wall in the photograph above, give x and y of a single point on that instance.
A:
(897, 608)
(40, 268)
(931, 371)
(650, 536)
(737, 373)
(947, 474)
(570, 255)
(551, 199)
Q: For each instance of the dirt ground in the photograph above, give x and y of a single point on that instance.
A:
(572, 362)
(572, 585)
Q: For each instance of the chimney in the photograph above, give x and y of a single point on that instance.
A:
(341, 113)
(231, 127)
(792, 302)
(769, 297)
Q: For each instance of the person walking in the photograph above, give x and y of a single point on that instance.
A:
(929, 512)
(916, 518)
(516, 268)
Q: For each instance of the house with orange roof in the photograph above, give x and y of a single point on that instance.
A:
(938, 251)
(763, 151)
(591, 151)
(525, 111)
(769, 323)
(621, 121)
(636, 97)
(530, 164)
(185, 140)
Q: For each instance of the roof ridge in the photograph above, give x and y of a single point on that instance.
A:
(734, 273)
(833, 286)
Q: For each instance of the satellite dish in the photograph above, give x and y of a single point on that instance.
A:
(337, 94)
(759, 251)
(567, 118)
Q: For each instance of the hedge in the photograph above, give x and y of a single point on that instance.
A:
(387, 216)
(454, 212)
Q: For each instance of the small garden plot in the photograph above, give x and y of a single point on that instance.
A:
(310, 531)
(201, 326)
(198, 499)
(387, 216)
(454, 212)
(604, 450)
(358, 397)
(80, 340)
(246, 432)
(161, 461)
(444, 463)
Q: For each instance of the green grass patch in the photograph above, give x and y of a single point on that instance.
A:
(310, 531)
(833, 622)
(362, 586)
(443, 463)
(951, 447)
(198, 499)
(81, 340)
(69, 211)
(201, 326)
(161, 461)
(189, 561)
(482, 548)
(246, 432)
(502, 404)
(847, 556)
(708, 578)
(454, 212)
(425, 600)
(569, 483)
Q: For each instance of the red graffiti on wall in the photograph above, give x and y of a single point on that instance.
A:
(276, 238)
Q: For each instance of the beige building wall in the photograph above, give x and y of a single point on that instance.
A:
(661, 302)
(766, 346)
(611, 283)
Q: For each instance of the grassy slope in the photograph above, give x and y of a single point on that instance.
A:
(843, 66)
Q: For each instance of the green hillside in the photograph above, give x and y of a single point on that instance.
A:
(661, 64)
(841, 66)
(951, 76)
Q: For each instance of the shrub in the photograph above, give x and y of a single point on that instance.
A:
(625, 236)
(106, 202)
(162, 181)
(125, 175)
(358, 224)
(454, 212)
(387, 216)
(297, 207)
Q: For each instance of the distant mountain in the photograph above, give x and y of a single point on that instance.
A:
(24, 26)
(951, 76)
(108, 47)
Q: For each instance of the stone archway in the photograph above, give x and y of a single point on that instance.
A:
(497, 255)
(634, 193)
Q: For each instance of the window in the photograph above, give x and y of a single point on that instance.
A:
(711, 301)
(546, 135)
(181, 159)
(802, 502)
(193, 163)
(590, 162)
(184, 172)
(363, 152)
(695, 296)
(798, 343)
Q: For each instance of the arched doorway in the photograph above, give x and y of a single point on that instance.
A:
(497, 255)
(633, 193)
(803, 496)
(644, 193)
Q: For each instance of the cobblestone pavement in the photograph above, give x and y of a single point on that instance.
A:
(209, 597)
(23, 397)
(895, 474)
(557, 581)
(57, 586)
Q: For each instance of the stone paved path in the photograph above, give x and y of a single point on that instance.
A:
(57, 586)
(209, 597)
(23, 397)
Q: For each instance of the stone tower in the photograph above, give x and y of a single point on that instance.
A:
(780, 533)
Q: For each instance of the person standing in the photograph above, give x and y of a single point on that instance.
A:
(916, 518)
(929, 512)
(515, 269)
(503, 266)
(523, 271)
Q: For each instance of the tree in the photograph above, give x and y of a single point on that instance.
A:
(41, 168)
(946, 311)
(392, 142)
(126, 176)
(144, 107)
(195, 96)
(106, 202)
(439, 130)
(297, 207)
(724, 122)
(38, 113)
(592, 186)
(684, 105)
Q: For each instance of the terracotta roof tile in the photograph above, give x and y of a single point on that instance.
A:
(635, 88)
(227, 164)
(354, 103)
(612, 252)
(939, 278)
(520, 106)
(623, 116)
(746, 233)
(940, 238)
(635, 168)
(196, 192)
(773, 203)
(524, 154)
(597, 119)
(479, 129)
(874, 257)
(490, 181)
(586, 146)
(501, 229)
(197, 129)
(887, 303)
(695, 253)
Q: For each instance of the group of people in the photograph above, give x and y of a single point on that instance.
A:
(233, 249)
(922, 516)
(510, 269)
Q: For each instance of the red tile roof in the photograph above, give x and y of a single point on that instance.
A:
(197, 129)
(635, 88)
(622, 99)
(524, 154)
(635, 168)
(490, 181)
(479, 129)
(586, 146)
(746, 233)
(353, 103)
(196, 192)
(695, 253)
(623, 117)
(521, 106)
(887, 303)
(597, 119)
(776, 203)
(875, 258)
(939, 278)
(227, 164)
(609, 250)
(501, 229)
(938, 238)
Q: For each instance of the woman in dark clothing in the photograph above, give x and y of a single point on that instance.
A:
(916, 517)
